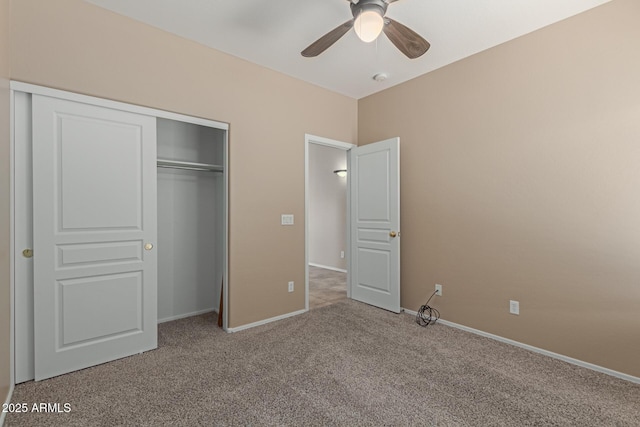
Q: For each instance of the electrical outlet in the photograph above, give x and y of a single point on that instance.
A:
(341, 254)
(290, 286)
(438, 290)
(514, 307)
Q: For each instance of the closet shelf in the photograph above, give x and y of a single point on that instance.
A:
(176, 164)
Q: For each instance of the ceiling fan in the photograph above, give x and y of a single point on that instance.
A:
(369, 21)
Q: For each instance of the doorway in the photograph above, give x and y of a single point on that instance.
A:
(326, 221)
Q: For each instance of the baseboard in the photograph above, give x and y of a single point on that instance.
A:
(265, 321)
(562, 357)
(326, 267)
(3, 414)
(182, 316)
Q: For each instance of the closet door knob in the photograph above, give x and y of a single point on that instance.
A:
(27, 253)
(393, 234)
(148, 247)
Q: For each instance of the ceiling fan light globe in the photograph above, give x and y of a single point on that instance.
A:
(368, 25)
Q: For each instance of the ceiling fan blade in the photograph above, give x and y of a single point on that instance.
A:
(405, 39)
(324, 42)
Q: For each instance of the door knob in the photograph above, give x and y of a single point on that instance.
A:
(393, 234)
(148, 247)
(27, 253)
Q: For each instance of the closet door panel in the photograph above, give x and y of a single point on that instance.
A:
(94, 204)
(99, 174)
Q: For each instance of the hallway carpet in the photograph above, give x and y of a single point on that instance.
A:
(326, 287)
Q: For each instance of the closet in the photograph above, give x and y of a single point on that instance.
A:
(190, 218)
(120, 222)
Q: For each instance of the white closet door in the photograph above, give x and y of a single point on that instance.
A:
(94, 205)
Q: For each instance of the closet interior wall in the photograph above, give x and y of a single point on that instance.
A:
(190, 220)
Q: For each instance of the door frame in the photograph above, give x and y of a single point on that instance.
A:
(346, 147)
(18, 216)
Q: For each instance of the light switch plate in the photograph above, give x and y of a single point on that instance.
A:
(287, 219)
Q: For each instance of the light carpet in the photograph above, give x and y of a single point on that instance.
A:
(347, 364)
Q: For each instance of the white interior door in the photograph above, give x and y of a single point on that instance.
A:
(94, 207)
(374, 175)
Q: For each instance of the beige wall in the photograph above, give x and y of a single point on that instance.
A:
(327, 206)
(520, 175)
(76, 46)
(5, 295)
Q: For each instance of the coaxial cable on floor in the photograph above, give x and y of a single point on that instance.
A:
(427, 315)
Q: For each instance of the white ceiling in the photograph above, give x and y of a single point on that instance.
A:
(272, 33)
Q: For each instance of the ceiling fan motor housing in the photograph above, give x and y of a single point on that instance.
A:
(379, 6)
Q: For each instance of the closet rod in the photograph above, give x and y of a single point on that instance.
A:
(176, 164)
